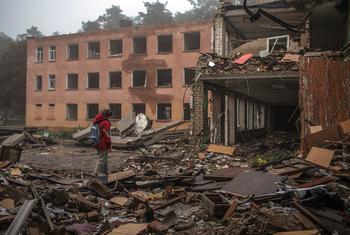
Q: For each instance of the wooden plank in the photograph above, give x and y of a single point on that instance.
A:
(162, 128)
(317, 139)
(13, 140)
(320, 157)
(314, 129)
(82, 134)
(228, 150)
(129, 229)
(315, 182)
(345, 127)
(120, 175)
(231, 210)
(305, 232)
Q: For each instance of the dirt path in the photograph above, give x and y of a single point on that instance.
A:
(62, 157)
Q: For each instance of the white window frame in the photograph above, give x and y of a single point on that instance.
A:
(39, 54)
(52, 53)
(67, 76)
(109, 79)
(273, 38)
(67, 118)
(96, 55)
(49, 87)
(68, 50)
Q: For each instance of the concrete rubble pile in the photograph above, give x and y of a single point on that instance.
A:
(266, 186)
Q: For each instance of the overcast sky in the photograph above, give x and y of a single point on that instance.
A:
(65, 16)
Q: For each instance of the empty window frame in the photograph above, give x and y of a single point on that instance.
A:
(72, 111)
(165, 43)
(140, 45)
(38, 83)
(189, 74)
(115, 47)
(93, 81)
(51, 105)
(115, 79)
(240, 114)
(164, 111)
(73, 51)
(164, 77)
(192, 41)
(72, 81)
(52, 53)
(38, 105)
(139, 108)
(91, 111)
(94, 50)
(187, 111)
(51, 82)
(139, 78)
(116, 111)
(39, 54)
(279, 43)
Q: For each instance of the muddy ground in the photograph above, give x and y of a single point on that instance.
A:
(70, 157)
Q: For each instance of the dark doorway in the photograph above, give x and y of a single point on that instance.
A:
(283, 118)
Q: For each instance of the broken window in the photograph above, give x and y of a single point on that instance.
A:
(192, 41)
(280, 43)
(39, 83)
(116, 111)
(39, 54)
(115, 47)
(189, 73)
(165, 43)
(52, 82)
(93, 81)
(52, 53)
(94, 50)
(51, 106)
(72, 81)
(91, 111)
(164, 77)
(163, 111)
(240, 114)
(140, 45)
(139, 108)
(139, 78)
(73, 51)
(38, 105)
(187, 111)
(71, 111)
(115, 79)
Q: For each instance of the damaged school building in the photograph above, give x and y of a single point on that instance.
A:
(145, 69)
(264, 78)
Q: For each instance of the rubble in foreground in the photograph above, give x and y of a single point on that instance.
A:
(185, 188)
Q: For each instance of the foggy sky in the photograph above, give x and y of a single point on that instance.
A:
(65, 16)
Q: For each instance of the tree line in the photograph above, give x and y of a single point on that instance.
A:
(13, 51)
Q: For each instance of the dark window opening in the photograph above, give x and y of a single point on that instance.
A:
(73, 51)
(93, 81)
(140, 45)
(139, 108)
(139, 78)
(164, 77)
(163, 111)
(192, 41)
(92, 110)
(115, 79)
(165, 43)
(51, 105)
(94, 50)
(72, 111)
(115, 47)
(72, 81)
(187, 111)
(39, 83)
(38, 105)
(116, 111)
(190, 74)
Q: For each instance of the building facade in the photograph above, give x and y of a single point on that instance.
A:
(141, 68)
